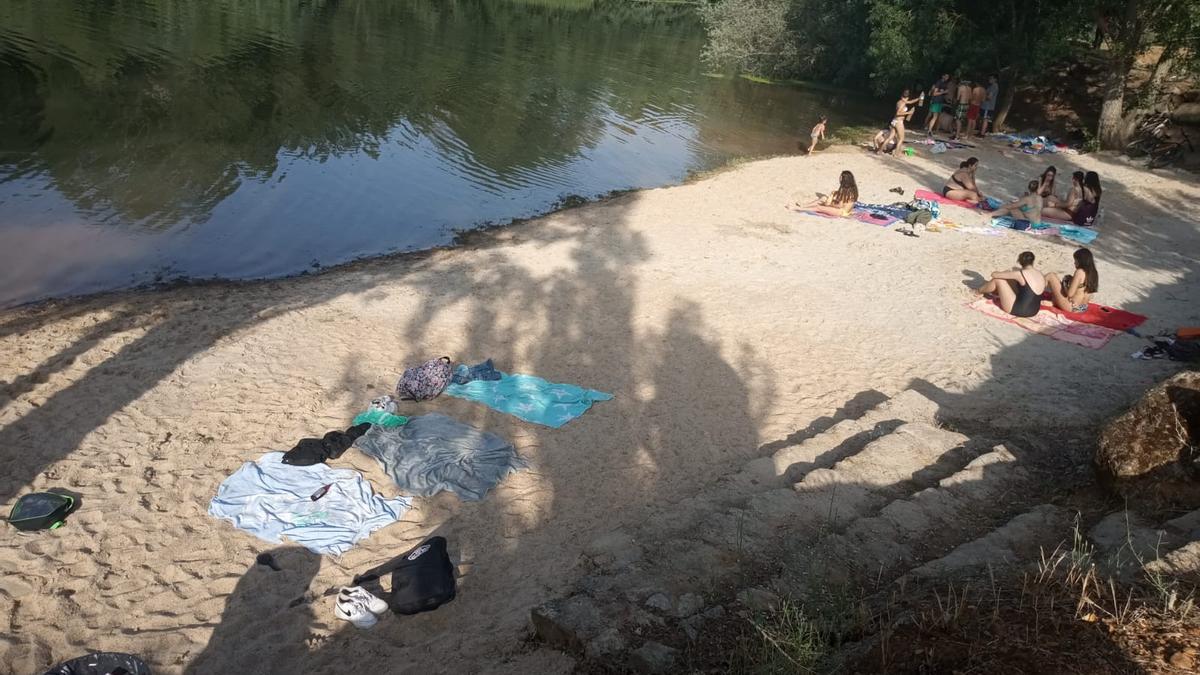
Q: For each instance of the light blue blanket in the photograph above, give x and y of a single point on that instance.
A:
(1082, 235)
(530, 398)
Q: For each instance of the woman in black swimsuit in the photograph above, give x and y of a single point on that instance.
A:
(961, 184)
(1019, 293)
(1046, 185)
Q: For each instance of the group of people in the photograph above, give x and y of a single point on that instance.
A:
(1019, 292)
(966, 102)
(1081, 205)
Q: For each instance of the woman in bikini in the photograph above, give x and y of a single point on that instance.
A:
(837, 204)
(1046, 185)
(896, 131)
(1086, 204)
(1028, 207)
(1072, 292)
(1018, 293)
(961, 184)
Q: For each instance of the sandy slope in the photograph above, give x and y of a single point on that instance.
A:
(723, 323)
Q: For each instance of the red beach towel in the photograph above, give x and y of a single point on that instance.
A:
(1101, 315)
(937, 197)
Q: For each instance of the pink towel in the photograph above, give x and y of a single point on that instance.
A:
(1055, 326)
(937, 197)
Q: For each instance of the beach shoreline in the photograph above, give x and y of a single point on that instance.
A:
(725, 325)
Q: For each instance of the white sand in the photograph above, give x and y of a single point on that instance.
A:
(722, 322)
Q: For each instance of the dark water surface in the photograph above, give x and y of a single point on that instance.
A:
(147, 140)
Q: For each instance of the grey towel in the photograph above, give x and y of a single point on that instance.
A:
(434, 452)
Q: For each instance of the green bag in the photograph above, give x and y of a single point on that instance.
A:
(41, 511)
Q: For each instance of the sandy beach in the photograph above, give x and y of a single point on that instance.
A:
(723, 323)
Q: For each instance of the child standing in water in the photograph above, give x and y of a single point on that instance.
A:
(818, 132)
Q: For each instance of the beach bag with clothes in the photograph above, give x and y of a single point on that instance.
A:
(425, 381)
(422, 579)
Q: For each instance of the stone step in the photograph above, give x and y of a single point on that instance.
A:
(910, 530)
(1021, 539)
(790, 464)
(914, 456)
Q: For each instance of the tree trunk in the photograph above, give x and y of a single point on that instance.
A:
(1113, 109)
(1008, 86)
(1162, 69)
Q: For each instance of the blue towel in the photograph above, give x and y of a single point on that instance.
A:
(530, 398)
(1082, 235)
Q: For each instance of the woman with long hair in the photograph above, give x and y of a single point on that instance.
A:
(1019, 293)
(1086, 208)
(1046, 185)
(837, 204)
(1072, 292)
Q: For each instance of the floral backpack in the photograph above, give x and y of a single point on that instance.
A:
(425, 381)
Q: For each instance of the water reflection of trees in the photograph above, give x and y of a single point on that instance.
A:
(155, 111)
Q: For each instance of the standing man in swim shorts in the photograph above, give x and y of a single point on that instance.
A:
(963, 99)
(978, 96)
(989, 103)
(937, 96)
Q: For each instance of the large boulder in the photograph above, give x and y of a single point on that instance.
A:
(1151, 454)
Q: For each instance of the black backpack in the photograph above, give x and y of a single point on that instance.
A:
(422, 579)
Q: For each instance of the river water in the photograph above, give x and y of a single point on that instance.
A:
(143, 141)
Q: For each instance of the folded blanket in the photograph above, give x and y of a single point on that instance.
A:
(937, 197)
(530, 398)
(1051, 324)
(434, 452)
(1101, 315)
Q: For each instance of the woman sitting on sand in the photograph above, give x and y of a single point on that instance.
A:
(1087, 205)
(837, 204)
(1046, 185)
(961, 184)
(1018, 293)
(1027, 208)
(1073, 291)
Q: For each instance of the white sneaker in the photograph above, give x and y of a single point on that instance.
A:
(373, 604)
(356, 612)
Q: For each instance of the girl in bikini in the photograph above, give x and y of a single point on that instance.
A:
(1072, 292)
(1083, 205)
(961, 184)
(903, 112)
(1027, 208)
(837, 204)
(1018, 293)
(1046, 185)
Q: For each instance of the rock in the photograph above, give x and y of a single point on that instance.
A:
(613, 550)
(567, 624)
(714, 613)
(759, 599)
(691, 627)
(607, 643)
(689, 604)
(1182, 562)
(1146, 454)
(653, 657)
(1182, 660)
(660, 602)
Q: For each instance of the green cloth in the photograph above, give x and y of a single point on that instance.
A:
(382, 418)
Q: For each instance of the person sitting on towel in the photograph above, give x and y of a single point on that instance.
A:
(1027, 208)
(837, 204)
(1046, 186)
(961, 184)
(1019, 293)
(1073, 291)
(1087, 205)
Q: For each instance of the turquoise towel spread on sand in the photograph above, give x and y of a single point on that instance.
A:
(1083, 235)
(381, 418)
(530, 398)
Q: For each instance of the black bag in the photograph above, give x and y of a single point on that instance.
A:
(422, 579)
(102, 663)
(41, 511)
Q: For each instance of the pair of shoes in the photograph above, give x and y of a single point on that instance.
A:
(358, 606)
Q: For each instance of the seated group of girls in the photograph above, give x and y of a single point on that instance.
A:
(1040, 200)
(1019, 292)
